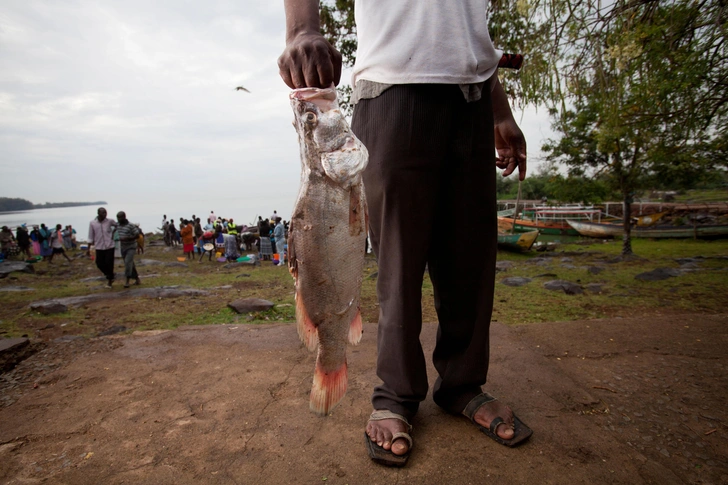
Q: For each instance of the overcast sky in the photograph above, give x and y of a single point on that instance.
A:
(109, 100)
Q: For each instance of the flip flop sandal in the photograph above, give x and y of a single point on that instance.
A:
(379, 454)
(521, 432)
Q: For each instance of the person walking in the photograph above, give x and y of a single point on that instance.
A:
(198, 235)
(101, 237)
(444, 99)
(58, 239)
(23, 238)
(128, 234)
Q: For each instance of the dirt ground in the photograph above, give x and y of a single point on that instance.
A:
(610, 401)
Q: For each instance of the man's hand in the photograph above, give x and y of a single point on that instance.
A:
(310, 61)
(511, 147)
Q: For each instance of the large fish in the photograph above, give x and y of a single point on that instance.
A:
(326, 239)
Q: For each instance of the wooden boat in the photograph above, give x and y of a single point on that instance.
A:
(551, 220)
(517, 242)
(591, 229)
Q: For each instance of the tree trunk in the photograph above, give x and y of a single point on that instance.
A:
(627, 236)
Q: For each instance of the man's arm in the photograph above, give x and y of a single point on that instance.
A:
(509, 140)
(308, 59)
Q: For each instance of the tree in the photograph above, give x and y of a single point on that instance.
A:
(638, 88)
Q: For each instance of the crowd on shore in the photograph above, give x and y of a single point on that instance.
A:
(37, 242)
(224, 238)
(107, 239)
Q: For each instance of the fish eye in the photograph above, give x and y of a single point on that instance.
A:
(310, 117)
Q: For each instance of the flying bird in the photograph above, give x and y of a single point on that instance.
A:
(240, 88)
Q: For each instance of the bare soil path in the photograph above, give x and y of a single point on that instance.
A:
(610, 401)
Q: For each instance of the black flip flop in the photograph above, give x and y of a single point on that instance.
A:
(521, 432)
(379, 454)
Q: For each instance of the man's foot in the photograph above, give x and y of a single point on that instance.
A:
(108, 285)
(381, 432)
(138, 282)
(492, 410)
(496, 420)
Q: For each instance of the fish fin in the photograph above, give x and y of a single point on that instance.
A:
(307, 331)
(328, 387)
(355, 329)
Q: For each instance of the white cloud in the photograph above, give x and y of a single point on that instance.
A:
(99, 98)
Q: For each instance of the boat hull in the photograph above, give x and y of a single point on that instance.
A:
(590, 229)
(520, 242)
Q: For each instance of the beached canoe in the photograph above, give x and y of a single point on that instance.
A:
(517, 242)
(591, 229)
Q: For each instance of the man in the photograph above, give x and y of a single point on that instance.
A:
(58, 238)
(431, 113)
(128, 235)
(101, 237)
(212, 217)
(279, 233)
(23, 238)
(198, 235)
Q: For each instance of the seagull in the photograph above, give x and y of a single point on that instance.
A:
(240, 88)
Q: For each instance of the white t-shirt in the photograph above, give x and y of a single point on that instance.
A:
(423, 41)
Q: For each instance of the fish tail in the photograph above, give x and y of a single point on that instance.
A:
(355, 329)
(328, 387)
(307, 331)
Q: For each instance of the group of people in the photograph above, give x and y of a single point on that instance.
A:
(38, 241)
(224, 236)
(273, 233)
(103, 233)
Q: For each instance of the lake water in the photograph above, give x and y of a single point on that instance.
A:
(148, 214)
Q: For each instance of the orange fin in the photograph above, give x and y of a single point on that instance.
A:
(355, 329)
(328, 388)
(307, 331)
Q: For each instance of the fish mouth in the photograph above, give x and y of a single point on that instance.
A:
(324, 99)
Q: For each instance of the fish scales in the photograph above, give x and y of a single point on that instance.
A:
(326, 240)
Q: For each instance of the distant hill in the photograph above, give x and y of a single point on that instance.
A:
(8, 205)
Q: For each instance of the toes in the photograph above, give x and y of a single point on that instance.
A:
(400, 446)
(505, 431)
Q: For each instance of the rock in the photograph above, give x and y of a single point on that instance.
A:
(594, 269)
(243, 275)
(148, 262)
(566, 286)
(176, 264)
(248, 305)
(503, 265)
(658, 274)
(49, 307)
(515, 281)
(223, 287)
(16, 288)
(158, 292)
(117, 276)
(373, 276)
(7, 267)
(113, 330)
(547, 275)
(594, 288)
(12, 351)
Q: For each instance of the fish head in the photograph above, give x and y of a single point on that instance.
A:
(323, 128)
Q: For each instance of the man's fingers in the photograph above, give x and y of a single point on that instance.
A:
(325, 74)
(522, 168)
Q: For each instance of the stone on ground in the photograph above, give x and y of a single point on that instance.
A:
(247, 305)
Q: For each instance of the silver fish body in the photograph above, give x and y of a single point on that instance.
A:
(326, 239)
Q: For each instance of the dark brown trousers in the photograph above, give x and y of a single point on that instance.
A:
(430, 186)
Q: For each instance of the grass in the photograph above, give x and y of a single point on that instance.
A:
(704, 195)
(700, 291)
